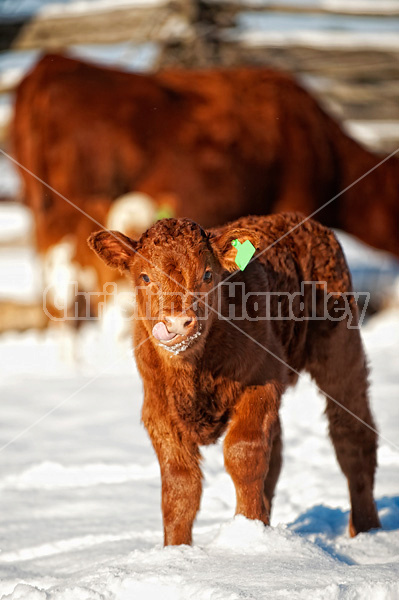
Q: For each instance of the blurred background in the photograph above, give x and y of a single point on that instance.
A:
(345, 54)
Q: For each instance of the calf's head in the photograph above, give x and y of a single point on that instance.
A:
(175, 268)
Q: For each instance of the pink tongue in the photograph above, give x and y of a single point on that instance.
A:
(160, 332)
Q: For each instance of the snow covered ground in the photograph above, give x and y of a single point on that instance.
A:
(80, 487)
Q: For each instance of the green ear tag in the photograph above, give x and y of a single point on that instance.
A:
(164, 212)
(245, 252)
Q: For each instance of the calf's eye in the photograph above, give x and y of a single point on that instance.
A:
(207, 276)
(145, 278)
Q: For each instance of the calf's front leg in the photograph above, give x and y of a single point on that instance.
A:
(181, 496)
(248, 445)
(180, 473)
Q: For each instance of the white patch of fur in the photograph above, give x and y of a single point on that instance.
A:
(59, 273)
(132, 214)
(87, 278)
(63, 276)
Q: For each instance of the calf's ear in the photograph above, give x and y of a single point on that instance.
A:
(114, 248)
(224, 250)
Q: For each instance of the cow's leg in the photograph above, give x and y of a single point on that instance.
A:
(181, 477)
(341, 373)
(274, 466)
(248, 449)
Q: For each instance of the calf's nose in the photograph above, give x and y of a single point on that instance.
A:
(180, 324)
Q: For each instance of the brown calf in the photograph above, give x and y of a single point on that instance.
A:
(204, 375)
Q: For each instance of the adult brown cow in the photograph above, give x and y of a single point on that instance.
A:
(206, 371)
(211, 145)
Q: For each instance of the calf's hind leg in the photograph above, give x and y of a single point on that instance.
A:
(274, 466)
(341, 372)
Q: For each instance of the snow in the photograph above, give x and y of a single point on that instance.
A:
(372, 133)
(366, 6)
(319, 30)
(14, 64)
(20, 271)
(80, 7)
(351, 7)
(374, 271)
(321, 39)
(5, 113)
(128, 56)
(16, 222)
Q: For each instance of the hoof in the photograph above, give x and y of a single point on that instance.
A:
(364, 524)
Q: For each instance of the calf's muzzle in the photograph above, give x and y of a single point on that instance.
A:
(172, 326)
